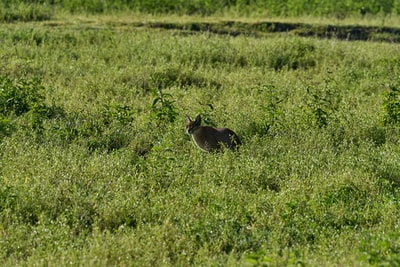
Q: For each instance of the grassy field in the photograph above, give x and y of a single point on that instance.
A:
(96, 169)
(340, 9)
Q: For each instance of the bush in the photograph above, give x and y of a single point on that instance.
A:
(22, 98)
(19, 96)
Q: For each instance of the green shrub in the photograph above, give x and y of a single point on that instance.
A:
(322, 104)
(20, 96)
(5, 126)
(271, 118)
(391, 106)
(163, 108)
(23, 98)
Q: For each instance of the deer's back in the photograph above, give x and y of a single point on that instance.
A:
(209, 138)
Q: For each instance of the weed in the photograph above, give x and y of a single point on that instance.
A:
(123, 114)
(391, 106)
(5, 126)
(272, 111)
(22, 98)
(323, 103)
(162, 107)
(19, 96)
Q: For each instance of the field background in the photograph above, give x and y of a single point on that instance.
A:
(96, 169)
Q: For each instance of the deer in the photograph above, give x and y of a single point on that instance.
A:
(210, 139)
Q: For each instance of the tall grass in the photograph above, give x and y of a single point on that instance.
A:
(25, 11)
(40, 10)
(96, 169)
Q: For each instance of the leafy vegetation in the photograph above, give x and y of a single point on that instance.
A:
(96, 169)
(392, 106)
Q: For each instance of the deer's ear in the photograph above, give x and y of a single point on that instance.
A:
(198, 119)
(188, 119)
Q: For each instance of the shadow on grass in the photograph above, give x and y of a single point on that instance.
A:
(235, 28)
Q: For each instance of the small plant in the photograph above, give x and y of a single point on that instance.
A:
(20, 96)
(117, 112)
(272, 112)
(23, 97)
(322, 105)
(163, 108)
(5, 126)
(391, 106)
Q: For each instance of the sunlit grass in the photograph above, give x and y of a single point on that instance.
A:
(93, 173)
(128, 17)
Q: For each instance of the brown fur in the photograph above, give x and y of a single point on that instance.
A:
(210, 139)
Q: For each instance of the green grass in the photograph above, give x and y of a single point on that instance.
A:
(317, 8)
(96, 169)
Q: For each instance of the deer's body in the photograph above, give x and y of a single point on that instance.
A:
(210, 139)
